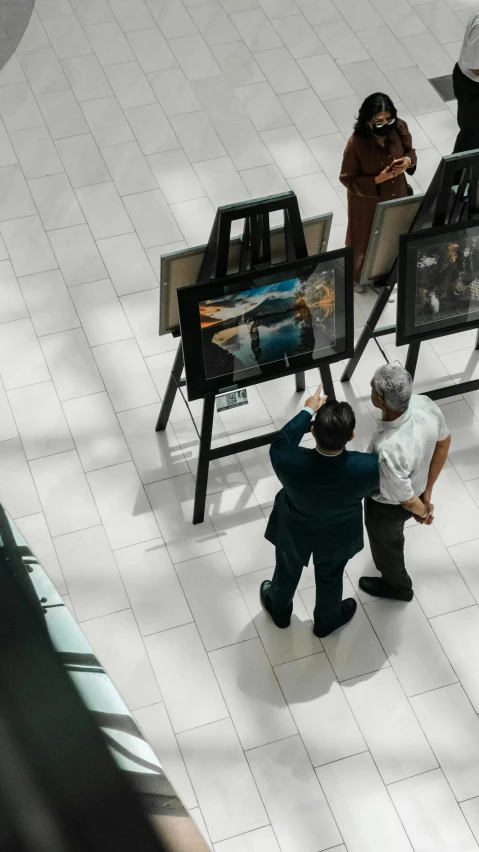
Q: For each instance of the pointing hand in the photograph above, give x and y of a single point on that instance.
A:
(316, 401)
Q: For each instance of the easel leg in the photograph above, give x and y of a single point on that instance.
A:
(327, 381)
(300, 382)
(363, 341)
(477, 340)
(367, 333)
(204, 459)
(170, 394)
(412, 356)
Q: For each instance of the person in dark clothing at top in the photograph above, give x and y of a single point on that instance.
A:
(375, 161)
(465, 80)
(318, 511)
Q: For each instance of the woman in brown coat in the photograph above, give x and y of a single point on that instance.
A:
(375, 160)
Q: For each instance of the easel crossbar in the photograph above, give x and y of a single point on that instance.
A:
(241, 446)
(452, 390)
(385, 329)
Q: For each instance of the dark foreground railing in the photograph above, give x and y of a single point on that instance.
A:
(76, 774)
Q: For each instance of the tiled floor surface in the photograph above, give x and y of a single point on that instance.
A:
(123, 125)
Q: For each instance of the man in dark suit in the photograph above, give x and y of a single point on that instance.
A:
(318, 511)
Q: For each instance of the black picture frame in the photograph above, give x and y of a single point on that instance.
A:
(408, 329)
(189, 298)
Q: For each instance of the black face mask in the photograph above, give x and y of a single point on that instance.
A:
(382, 131)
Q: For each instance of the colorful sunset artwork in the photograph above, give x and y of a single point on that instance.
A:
(269, 323)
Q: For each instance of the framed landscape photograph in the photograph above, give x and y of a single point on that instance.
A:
(438, 282)
(181, 268)
(260, 325)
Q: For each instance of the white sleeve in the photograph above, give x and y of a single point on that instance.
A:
(394, 480)
(470, 56)
(444, 430)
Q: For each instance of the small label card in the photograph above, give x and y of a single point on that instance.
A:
(232, 399)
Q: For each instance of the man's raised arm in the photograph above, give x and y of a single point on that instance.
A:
(292, 433)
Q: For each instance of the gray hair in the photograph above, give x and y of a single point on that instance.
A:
(394, 384)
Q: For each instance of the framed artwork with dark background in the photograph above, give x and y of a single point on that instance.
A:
(263, 324)
(438, 282)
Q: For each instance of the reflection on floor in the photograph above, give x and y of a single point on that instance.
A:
(125, 124)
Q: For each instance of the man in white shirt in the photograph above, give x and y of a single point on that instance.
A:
(466, 88)
(411, 442)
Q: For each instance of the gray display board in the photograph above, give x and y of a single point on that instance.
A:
(182, 267)
(392, 219)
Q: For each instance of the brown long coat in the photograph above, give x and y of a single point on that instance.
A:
(363, 159)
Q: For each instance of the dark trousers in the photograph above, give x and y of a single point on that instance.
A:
(466, 92)
(329, 588)
(385, 526)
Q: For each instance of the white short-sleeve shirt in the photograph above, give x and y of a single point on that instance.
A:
(405, 447)
(469, 56)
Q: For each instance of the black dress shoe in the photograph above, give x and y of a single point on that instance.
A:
(282, 620)
(348, 608)
(378, 587)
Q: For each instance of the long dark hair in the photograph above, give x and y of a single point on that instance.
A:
(371, 106)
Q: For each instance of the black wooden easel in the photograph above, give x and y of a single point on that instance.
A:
(255, 253)
(441, 205)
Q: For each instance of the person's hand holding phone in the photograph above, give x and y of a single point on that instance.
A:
(399, 166)
(386, 174)
(396, 168)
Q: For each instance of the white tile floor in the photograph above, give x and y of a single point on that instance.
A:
(123, 124)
